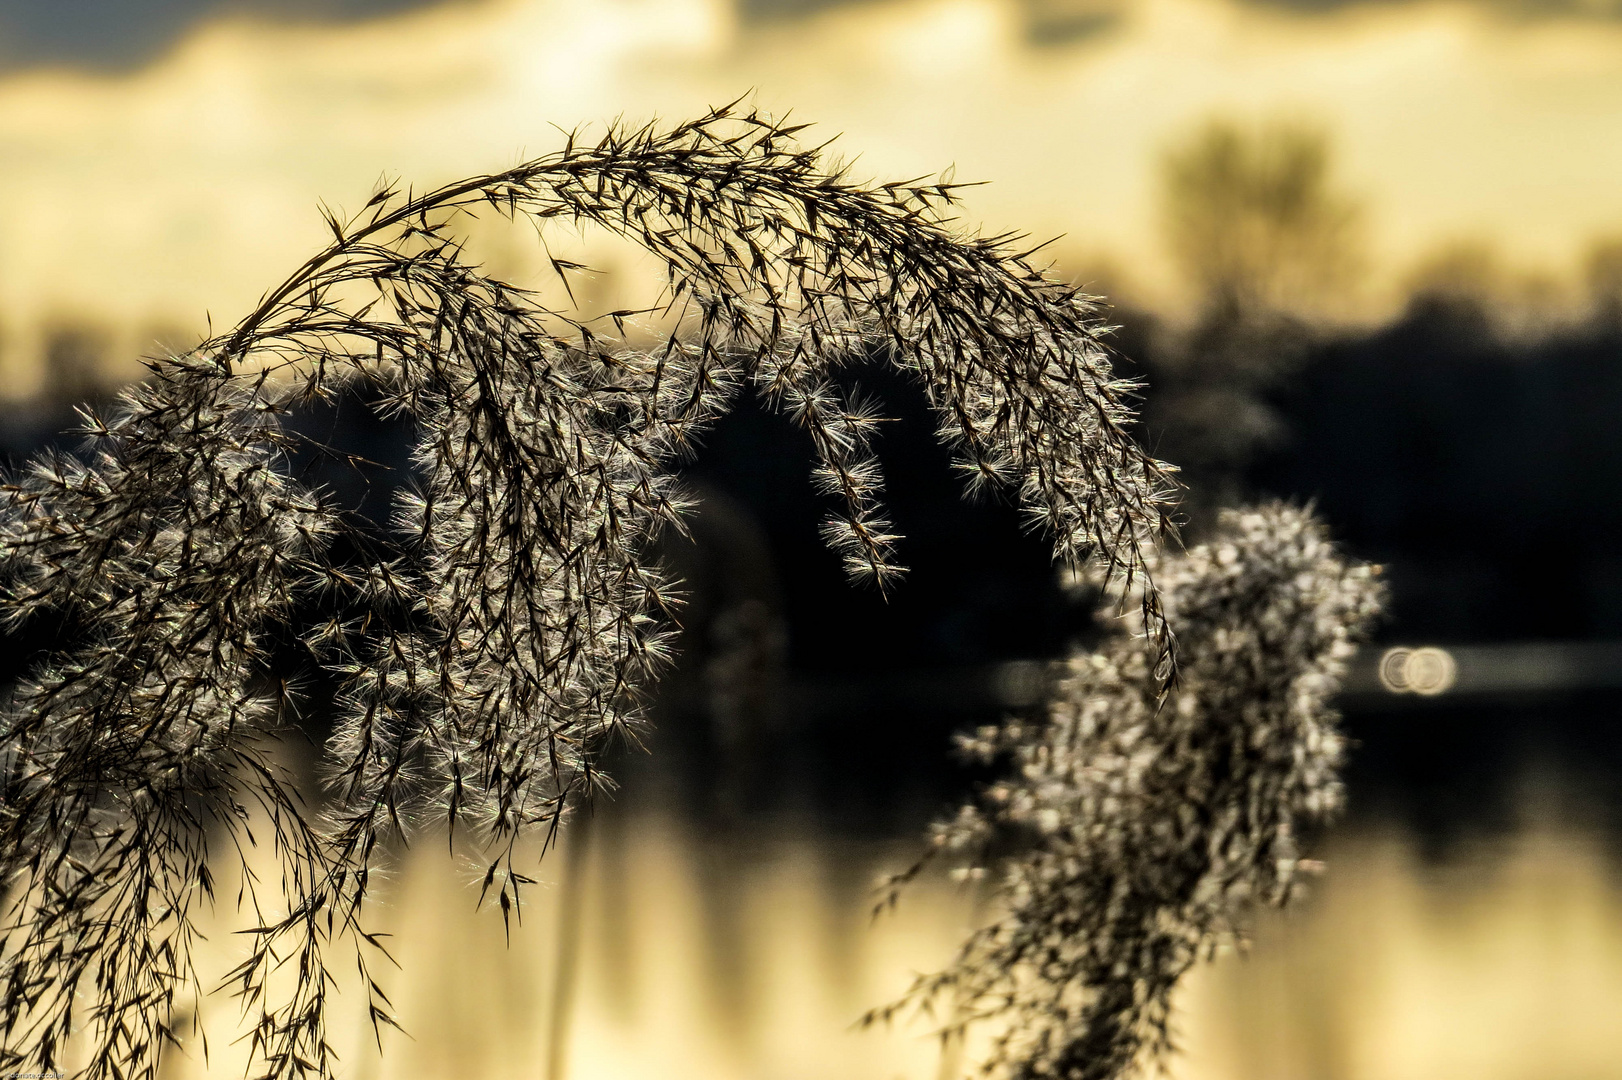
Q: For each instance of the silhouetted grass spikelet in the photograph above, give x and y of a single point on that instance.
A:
(1144, 829)
(518, 619)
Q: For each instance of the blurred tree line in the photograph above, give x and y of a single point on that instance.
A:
(1268, 248)
(1466, 444)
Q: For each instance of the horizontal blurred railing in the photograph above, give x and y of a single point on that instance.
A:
(1391, 678)
(1402, 676)
(1014, 684)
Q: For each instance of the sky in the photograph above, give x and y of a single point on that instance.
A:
(120, 34)
(157, 175)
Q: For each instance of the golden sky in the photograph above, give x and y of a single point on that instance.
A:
(148, 199)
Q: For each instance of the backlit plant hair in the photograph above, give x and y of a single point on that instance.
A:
(1129, 832)
(518, 621)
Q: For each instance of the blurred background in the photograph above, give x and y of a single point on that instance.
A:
(1367, 254)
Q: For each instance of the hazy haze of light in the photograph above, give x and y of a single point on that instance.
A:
(146, 200)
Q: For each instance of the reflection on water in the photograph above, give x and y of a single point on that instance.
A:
(1504, 962)
(749, 955)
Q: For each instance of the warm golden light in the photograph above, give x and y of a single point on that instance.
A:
(143, 203)
(1426, 671)
(752, 957)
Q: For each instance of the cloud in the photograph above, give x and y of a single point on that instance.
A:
(184, 188)
(119, 34)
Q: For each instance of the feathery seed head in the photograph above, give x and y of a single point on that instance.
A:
(518, 619)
